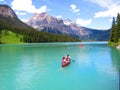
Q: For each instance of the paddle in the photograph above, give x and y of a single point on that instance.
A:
(72, 60)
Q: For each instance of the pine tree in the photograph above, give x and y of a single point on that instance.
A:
(118, 28)
(113, 29)
(0, 35)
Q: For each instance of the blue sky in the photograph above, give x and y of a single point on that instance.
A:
(96, 14)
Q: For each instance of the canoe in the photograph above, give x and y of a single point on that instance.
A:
(65, 64)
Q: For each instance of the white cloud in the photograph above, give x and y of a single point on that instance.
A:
(20, 13)
(112, 12)
(24, 20)
(74, 8)
(104, 3)
(1, 0)
(59, 17)
(82, 22)
(110, 20)
(112, 8)
(26, 5)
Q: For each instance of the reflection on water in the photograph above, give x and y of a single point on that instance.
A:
(38, 66)
(115, 55)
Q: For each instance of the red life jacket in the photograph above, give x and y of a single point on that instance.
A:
(67, 58)
(63, 61)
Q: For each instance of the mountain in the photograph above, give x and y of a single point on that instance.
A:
(47, 23)
(10, 22)
(8, 16)
(6, 11)
(44, 22)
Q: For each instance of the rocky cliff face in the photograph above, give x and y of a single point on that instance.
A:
(9, 19)
(47, 23)
(6, 11)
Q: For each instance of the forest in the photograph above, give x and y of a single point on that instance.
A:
(115, 31)
(29, 34)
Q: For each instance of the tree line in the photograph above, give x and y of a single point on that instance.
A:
(29, 34)
(115, 31)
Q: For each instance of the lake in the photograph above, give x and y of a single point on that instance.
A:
(38, 66)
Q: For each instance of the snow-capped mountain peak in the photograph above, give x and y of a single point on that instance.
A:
(67, 22)
(47, 23)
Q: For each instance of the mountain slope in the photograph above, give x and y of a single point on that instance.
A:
(9, 21)
(6, 11)
(47, 23)
(8, 16)
(44, 22)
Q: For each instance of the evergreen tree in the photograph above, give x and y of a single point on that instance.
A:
(118, 28)
(0, 35)
(113, 29)
(29, 34)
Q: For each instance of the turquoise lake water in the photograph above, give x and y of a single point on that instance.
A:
(38, 67)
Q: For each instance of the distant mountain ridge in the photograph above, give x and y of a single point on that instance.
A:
(47, 23)
(10, 22)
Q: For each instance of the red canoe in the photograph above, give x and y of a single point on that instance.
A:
(65, 64)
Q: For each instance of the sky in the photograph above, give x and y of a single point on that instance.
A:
(95, 14)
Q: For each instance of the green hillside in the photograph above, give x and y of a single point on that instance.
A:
(9, 37)
(17, 30)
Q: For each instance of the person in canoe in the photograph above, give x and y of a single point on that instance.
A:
(68, 58)
(65, 61)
